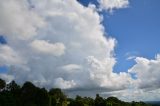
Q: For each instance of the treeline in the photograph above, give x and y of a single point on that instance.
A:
(29, 95)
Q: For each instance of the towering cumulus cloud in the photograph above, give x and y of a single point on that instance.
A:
(147, 72)
(57, 43)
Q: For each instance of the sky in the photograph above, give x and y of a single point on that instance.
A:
(113, 44)
(130, 26)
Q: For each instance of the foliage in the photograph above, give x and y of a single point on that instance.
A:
(29, 95)
(2, 84)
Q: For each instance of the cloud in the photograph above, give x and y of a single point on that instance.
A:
(71, 67)
(102, 75)
(58, 43)
(45, 47)
(109, 5)
(6, 77)
(17, 20)
(145, 87)
(71, 51)
(9, 57)
(147, 72)
(131, 57)
(61, 83)
(134, 95)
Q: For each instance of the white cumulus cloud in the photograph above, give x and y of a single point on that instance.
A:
(9, 57)
(109, 5)
(17, 20)
(83, 56)
(45, 47)
(147, 72)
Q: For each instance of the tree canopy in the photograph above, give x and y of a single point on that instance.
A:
(28, 94)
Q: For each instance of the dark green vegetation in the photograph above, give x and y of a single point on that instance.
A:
(29, 95)
(153, 103)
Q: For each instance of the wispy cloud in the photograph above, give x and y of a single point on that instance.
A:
(131, 55)
(110, 5)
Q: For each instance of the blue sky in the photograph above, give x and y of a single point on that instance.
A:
(3, 69)
(136, 30)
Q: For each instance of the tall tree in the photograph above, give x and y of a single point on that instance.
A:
(2, 84)
(13, 86)
(42, 97)
(99, 101)
(57, 97)
(28, 94)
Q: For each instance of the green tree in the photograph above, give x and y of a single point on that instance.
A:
(99, 101)
(28, 94)
(79, 101)
(88, 101)
(71, 102)
(42, 97)
(13, 86)
(113, 101)
(57, 97)
(15, 90)
(2, 84)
